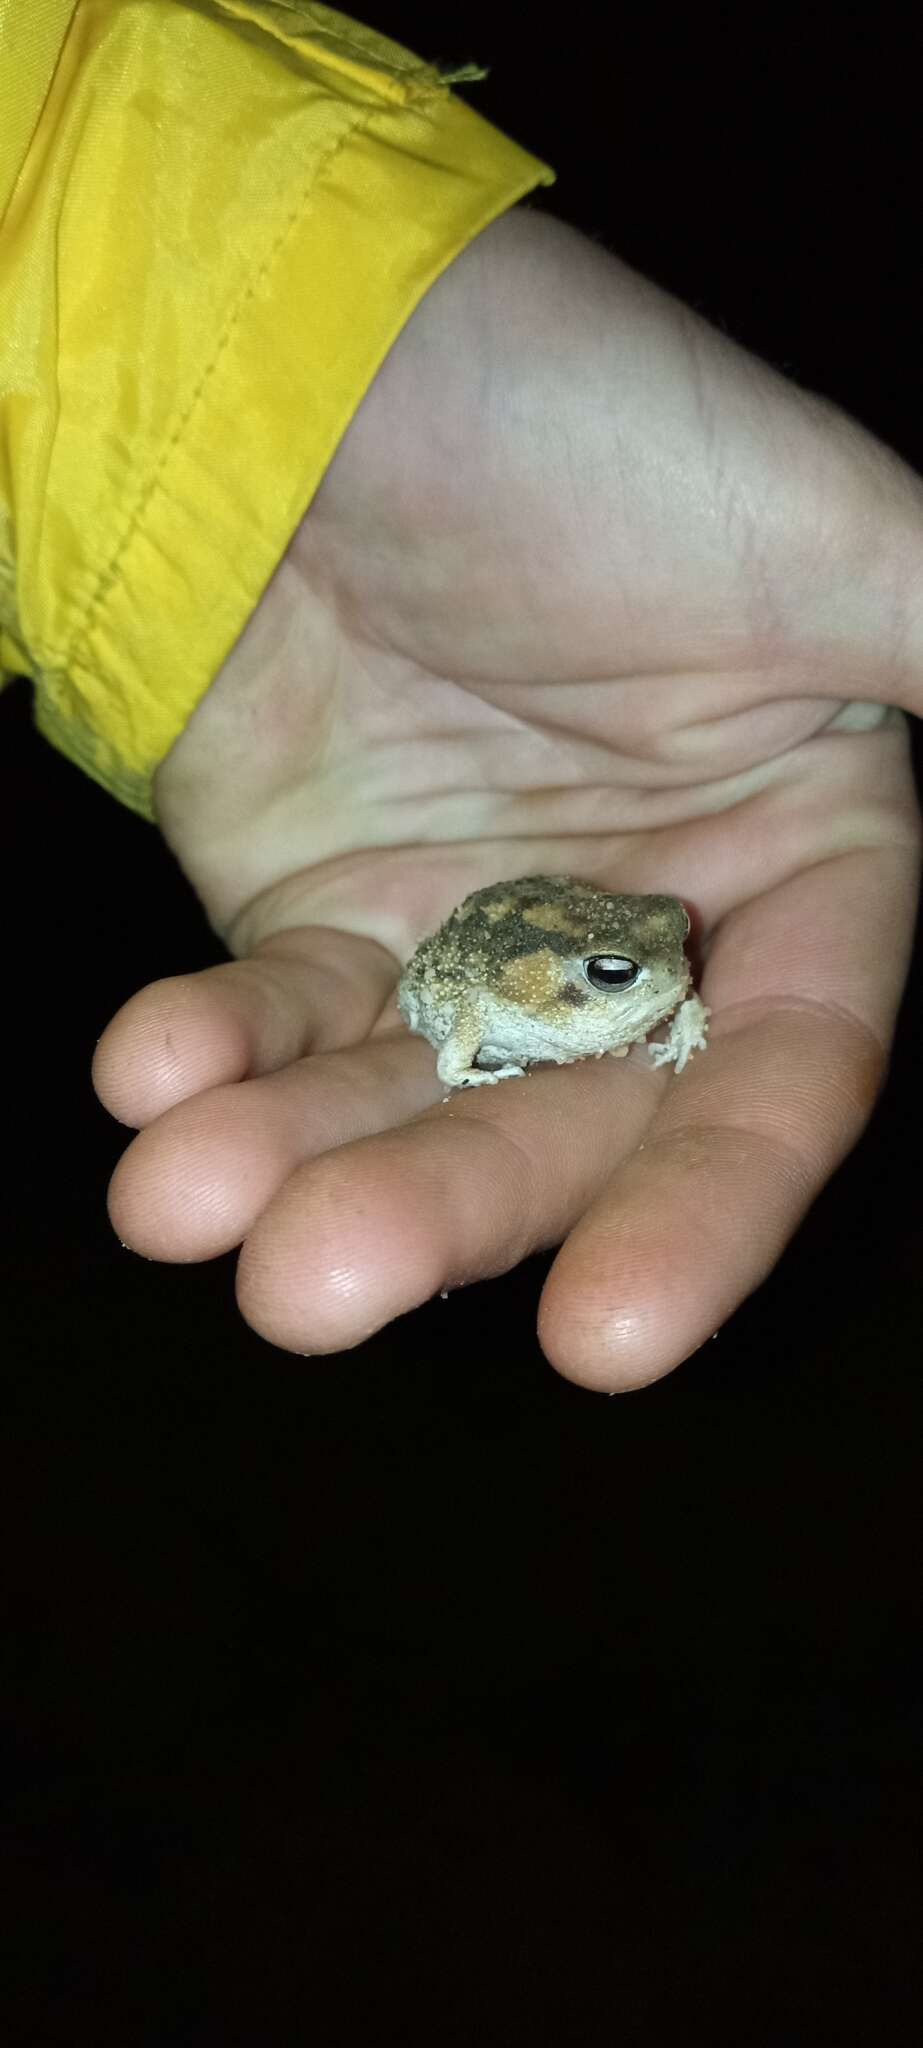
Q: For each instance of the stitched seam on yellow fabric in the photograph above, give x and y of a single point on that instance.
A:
(109, 575)
(52, 28)
(405, 66)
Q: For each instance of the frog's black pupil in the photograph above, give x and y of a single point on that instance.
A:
(609, 970)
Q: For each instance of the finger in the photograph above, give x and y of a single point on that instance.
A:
(308, 990)
(805, 986)
(195, 1181)
(368, 1231)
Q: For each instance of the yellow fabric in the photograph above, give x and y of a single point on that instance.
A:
(215, 218)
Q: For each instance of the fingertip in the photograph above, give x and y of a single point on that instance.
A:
(168, 1042)
(337, 1254)
(623, 1305)
(600, 1338)
(182, 1202)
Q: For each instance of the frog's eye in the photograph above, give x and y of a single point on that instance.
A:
(610, 970)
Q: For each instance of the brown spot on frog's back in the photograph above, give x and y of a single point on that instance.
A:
(557, 917)
(498, 907)
(532, 980)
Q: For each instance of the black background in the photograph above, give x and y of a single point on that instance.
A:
(416, 1694)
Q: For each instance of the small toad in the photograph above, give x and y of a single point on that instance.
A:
(548, 968)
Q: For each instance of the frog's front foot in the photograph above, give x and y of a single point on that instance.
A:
(688, 1034)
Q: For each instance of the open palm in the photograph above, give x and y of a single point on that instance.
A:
(585, 590)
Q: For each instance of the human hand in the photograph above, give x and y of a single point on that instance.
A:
(585, 590)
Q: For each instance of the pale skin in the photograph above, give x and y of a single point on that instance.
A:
(586, 589)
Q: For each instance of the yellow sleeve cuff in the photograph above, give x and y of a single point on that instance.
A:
(226, 212)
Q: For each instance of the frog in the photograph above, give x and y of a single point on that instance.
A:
(549, 968)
